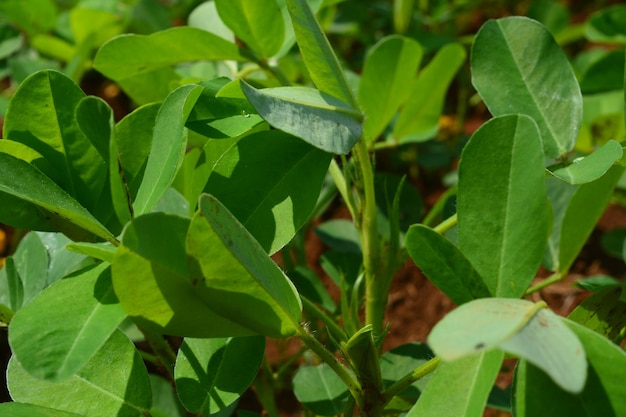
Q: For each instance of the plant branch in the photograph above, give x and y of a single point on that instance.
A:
(418, 373)
(163, 351)
(446, 225)
(333, 327)
(556, 277)
(327, 357)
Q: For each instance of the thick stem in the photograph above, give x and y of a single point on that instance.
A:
(327, 357)
(375, 296)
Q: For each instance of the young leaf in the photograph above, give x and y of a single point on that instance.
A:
(314, 116)
(444, 265)
(212, 374)
(244, 284)
(97, 390)
(591, 167)
(57, 333)
(141, 64)
(603, 394)
(502, 225)
(607, 25)
(101, 251)
(164, 295)
(465, 383)
(31, 262)
(419, 118)
(168, 147)
(537, 81)
(317, 53)
(258, 23)
(272, 206)
(389, 69)
(27, 184)
(320, 390)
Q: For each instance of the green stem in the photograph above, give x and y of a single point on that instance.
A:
(375, 295)
(333, 327)
(556, 277)
(438, 207)
(327, 357)
(163, 351)
(446, 225)
(418, 373)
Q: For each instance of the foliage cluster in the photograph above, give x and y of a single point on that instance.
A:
(163, 226)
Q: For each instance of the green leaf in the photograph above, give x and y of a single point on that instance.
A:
(317, 53)
(582, 214)
(30, 410)
(314, 116)
(514, 326)
(166, 295)
(165, 403)
(97, 390)
(62, 262)
(41, 115)
(607, 25)
(309, 285)
(33, 17)
(168, 147)
(27, 184)
(212, 374)
(275, 205)
(15, 286)
(11, 40)
(259, 23)
(390, 67)
(320, 390)
(604, 74)
(402, 14)
(479, 325)
(502, 217)
(31, 262)
(57, 333)
(535, 80)
(591, 167)
(603, 394)
(340, 234)
(419, 118)
(604, 313)
(465, 385)
(141, 64)
(444, 265)
(245, 285)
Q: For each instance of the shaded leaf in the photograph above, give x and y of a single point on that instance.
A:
(320, 390)
(604, 312)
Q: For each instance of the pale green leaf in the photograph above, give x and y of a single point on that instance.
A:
(97, 390)
(57, 333)
(314, 116)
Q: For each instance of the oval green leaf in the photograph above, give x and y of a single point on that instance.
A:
(389, 69)
(444, 265)
(275, 205)
(314, 116)
(591, 167)
(502, 216)
(98, 390)
(166, 293)
(57, 333)
(212, 374)
(517, 67)
(419, 119)
(168, 147)
(244, 284)
(320, 390)
(607, 25)
(30, 410)
(258, 23)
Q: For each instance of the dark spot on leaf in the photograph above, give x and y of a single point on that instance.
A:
(479, 346)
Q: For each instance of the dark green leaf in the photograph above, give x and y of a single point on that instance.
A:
(502, 225)
(212, 374)
(275, 205)
(537, 81)
(591, 167)
(444, 265)
(607, 25)
(604, 312)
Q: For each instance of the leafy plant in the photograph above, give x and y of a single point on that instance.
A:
(165, 223)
